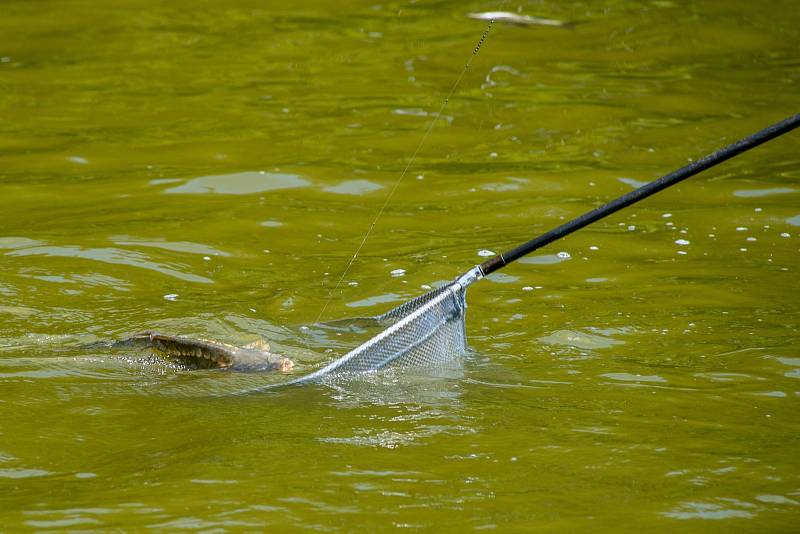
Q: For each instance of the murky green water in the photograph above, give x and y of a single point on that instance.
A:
(209, 168)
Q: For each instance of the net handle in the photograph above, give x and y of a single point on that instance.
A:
(643, 192)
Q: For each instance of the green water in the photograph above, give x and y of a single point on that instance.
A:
(209, 168)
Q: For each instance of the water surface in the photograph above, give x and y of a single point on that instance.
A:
(209, 169)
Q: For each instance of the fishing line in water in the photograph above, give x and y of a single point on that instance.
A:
(411, 161)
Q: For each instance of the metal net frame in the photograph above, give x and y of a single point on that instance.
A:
(425, 331)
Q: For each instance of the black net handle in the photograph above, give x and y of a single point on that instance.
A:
(643, 192)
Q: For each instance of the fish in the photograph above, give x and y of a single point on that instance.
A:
(207, 354)
(517, 19)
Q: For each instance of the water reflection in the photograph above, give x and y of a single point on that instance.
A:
(375, 300)
(243, 183)
(353, 187)
(21, 472)
(175, 246)
(770, 191)
(628, 377)
(419, 403)
(580, 340)
(721, 509)
(432, 385)
(546, 259)
(109, 255)
(18, 242)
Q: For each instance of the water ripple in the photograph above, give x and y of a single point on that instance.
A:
(110, 255)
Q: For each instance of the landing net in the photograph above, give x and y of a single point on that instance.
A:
(424, 331)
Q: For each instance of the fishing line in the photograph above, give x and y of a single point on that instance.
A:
(405, 170)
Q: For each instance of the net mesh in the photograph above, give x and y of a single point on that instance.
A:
(424, 331)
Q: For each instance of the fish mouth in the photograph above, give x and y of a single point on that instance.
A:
(285, 365)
